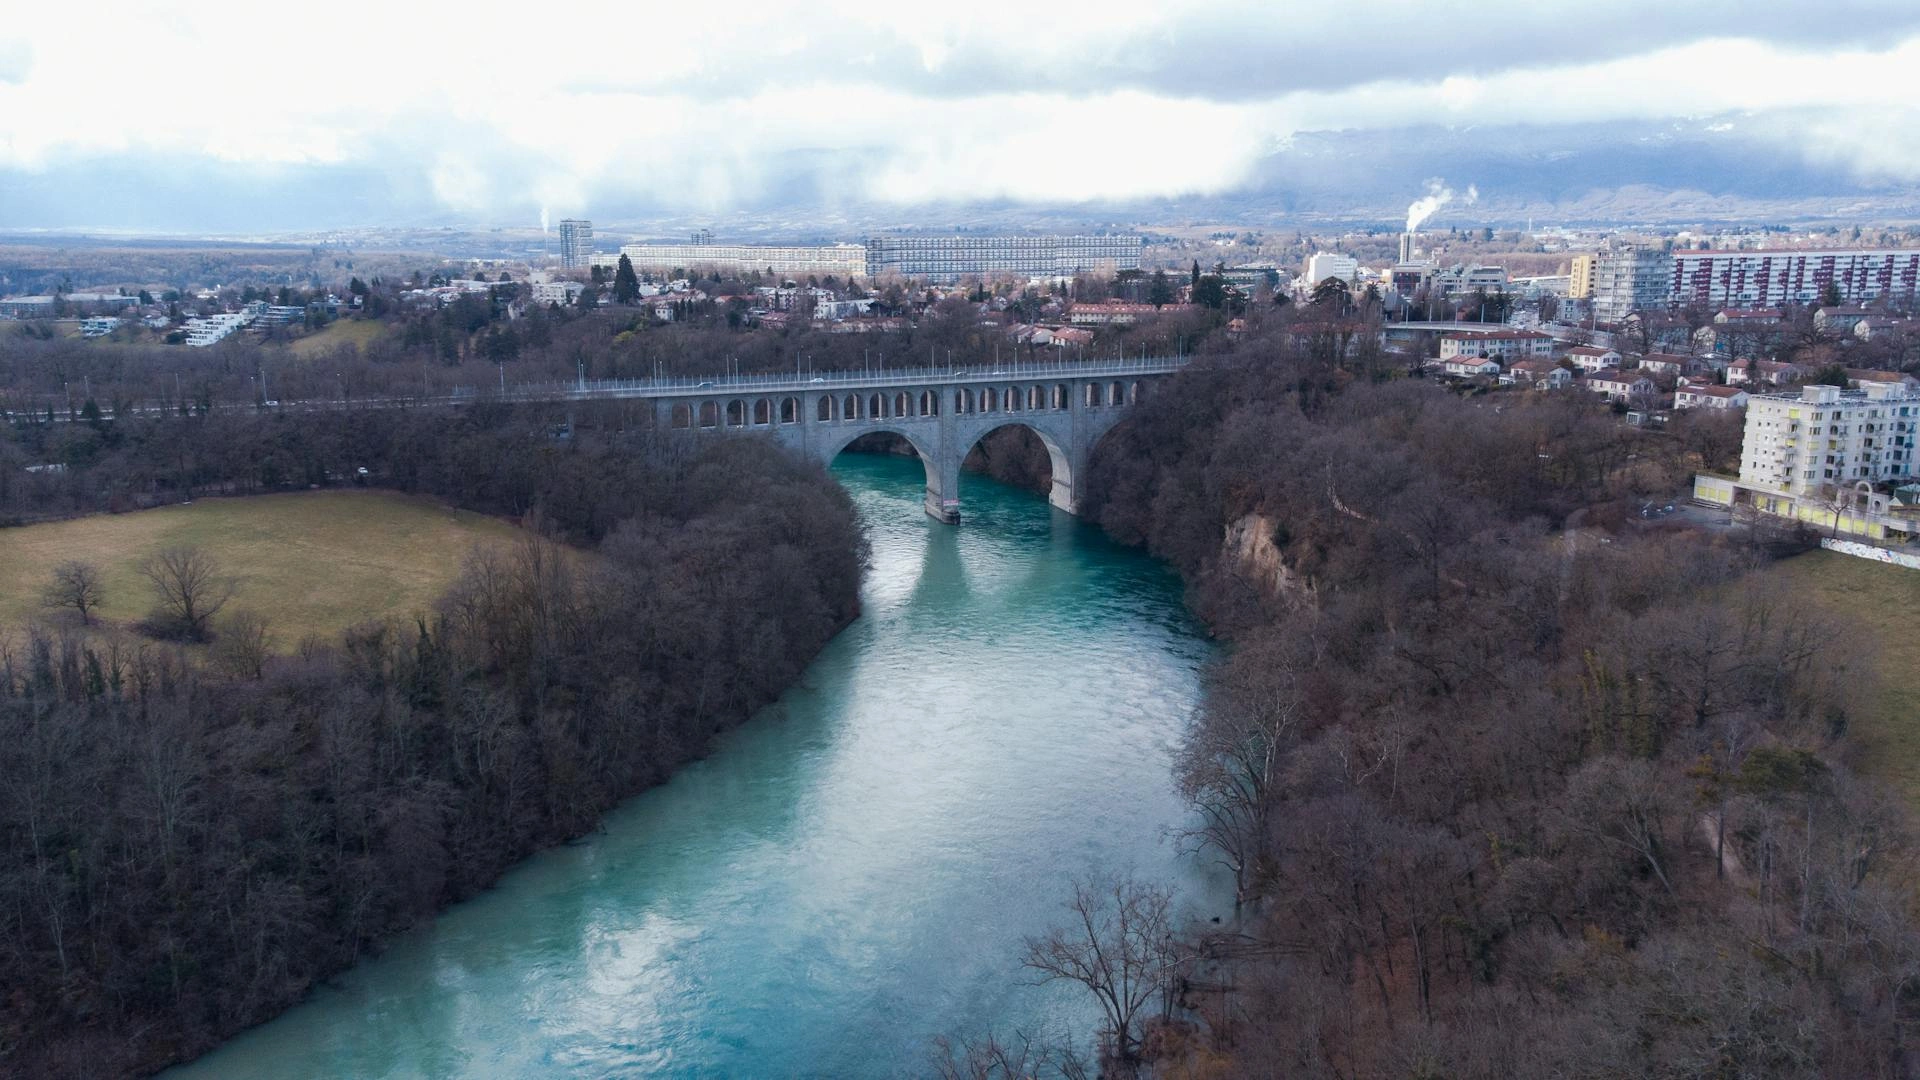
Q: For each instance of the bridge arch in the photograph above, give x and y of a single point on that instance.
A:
(845, 438)
(1059, 459)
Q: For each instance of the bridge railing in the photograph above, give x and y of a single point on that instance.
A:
(757, 384)
(788, 382)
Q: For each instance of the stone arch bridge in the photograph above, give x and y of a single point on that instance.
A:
(941, 412)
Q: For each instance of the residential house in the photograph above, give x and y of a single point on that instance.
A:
(1840, 320)
(1660, 363)
(1505, 345)
(1623, 386)
(1119, 313)
(1762, 372)
(1858, 378)
(1742, 331)
(1709, 396)
(1467, 367)
(1592, 358)
(1544, 373)
(1879, 327)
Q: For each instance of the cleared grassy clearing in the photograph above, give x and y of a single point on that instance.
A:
(356, 332)
(310, 562)
(1879, 601)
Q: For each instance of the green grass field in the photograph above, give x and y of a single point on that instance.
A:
(339, 332)
(1878, 600)
(312, 562)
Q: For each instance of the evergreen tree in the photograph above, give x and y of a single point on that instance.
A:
(1210, 291)
(1160, 290)
(626, 286)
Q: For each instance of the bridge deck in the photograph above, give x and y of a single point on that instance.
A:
(816, 382)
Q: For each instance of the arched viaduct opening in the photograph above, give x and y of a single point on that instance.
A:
(1018, 454)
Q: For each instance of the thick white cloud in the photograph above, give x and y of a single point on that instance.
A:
(492, 108)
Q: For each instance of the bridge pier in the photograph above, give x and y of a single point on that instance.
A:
(946, 512)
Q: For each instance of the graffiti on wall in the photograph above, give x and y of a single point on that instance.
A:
(1868, 551)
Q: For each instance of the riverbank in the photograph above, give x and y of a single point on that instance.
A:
(1494, 787)
(196, 852)
(847, 876)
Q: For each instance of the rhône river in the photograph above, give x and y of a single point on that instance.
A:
(847, 876)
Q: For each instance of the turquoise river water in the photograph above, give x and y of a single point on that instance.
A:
(845, 877)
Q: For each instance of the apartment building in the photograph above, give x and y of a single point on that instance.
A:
(842, 259)
(1825, 435)
(1322, 265)
(576, 243)
(1580, 278)
(215, 328)
(1758, 279)
(948, 258)
(564, 293)
(1631, 279)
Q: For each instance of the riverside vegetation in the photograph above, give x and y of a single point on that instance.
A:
(1508, 785)
(185, 849)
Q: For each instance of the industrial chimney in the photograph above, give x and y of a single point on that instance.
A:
(1406, 247)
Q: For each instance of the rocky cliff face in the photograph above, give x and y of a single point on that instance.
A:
(1250, 549)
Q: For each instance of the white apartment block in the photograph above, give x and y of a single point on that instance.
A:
(1322, 265)
(214, 328)
(1826, 435)
(1630, 279)
(563, 293)
(1505, 346)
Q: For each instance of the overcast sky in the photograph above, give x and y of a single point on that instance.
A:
(492, 114)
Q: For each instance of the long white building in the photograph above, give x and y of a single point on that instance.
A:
(841, 259)
(950, 257)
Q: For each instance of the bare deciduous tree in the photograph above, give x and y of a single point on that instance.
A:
(76, 585)
(1020, 1058)
(188, 590)
(246, 642)
(1119, 945)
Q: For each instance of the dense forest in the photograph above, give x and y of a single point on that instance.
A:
(1509, 787)
(184, 851)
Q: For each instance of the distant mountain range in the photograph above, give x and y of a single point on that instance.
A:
(1709, 170)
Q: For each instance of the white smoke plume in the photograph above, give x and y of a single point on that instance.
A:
(543, 219)
(1438, 195)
